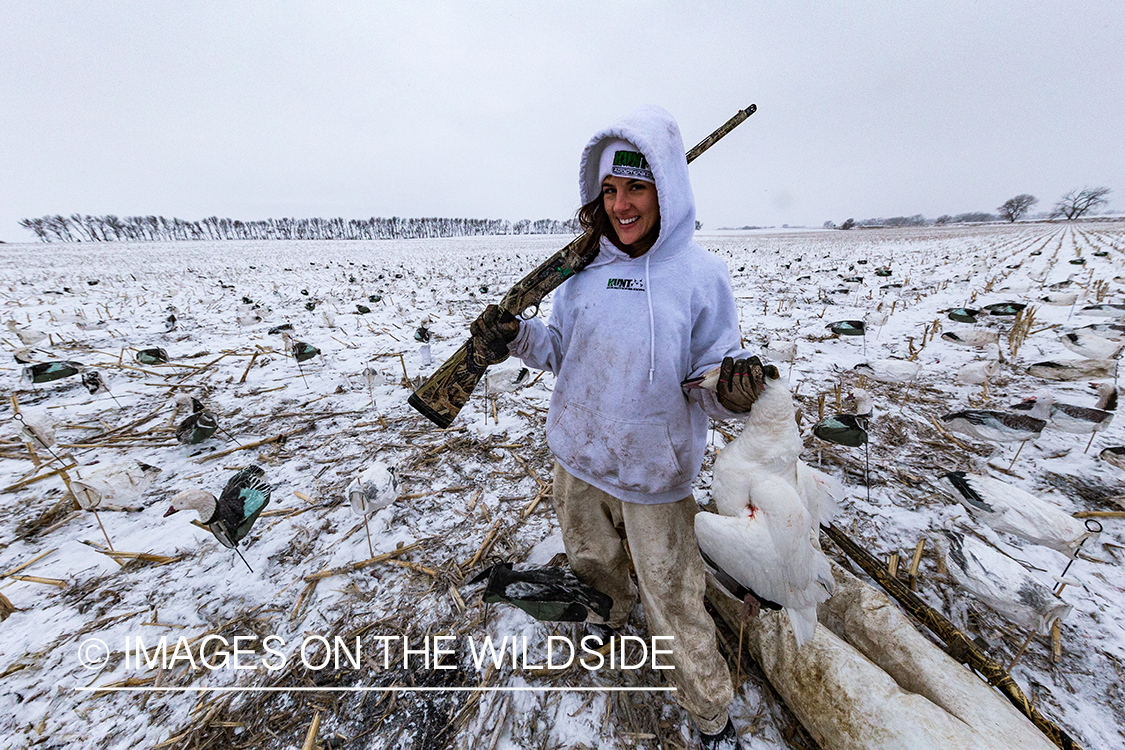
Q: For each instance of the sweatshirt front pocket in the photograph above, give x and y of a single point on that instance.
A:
(635, 456)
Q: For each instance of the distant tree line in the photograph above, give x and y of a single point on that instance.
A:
(83, 228)
(1073, 205)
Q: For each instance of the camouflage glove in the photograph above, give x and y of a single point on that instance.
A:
(742, 381)
(492, 331)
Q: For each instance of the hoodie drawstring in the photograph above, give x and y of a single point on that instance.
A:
(651, 323)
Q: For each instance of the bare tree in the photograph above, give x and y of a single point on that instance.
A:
(1077, 203)
(1014, 208)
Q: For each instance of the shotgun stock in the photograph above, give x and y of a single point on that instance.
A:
(443, 395)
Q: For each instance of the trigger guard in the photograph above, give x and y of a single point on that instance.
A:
(524, 314)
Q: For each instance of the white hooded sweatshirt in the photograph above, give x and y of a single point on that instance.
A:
(625, 332)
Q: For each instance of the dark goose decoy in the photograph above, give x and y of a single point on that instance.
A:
(229, 517)
(1004, 308)
(154, 356)
(963, 315)
(847, 429)
(847, 327)
(547, 593)
(45, 372)
(200, 425)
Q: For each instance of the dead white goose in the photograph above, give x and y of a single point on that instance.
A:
(765, 535)
(1001, 582)
(1010, 509)
(1074, 369)
(1091, 345)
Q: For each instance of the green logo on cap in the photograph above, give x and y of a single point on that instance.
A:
(630, 159)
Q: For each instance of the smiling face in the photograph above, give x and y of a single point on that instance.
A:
(633, 209)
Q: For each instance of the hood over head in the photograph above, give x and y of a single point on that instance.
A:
(655, 133)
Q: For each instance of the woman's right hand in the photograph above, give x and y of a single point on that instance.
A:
(494, 329)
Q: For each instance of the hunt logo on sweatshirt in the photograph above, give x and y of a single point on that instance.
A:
(631, 285)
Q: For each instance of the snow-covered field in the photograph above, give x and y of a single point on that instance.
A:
(479, 492)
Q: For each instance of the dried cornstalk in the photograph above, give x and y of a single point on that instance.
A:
(352, 567)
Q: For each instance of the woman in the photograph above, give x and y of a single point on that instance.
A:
(652, 310)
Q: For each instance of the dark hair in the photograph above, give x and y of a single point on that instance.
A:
(594, 219)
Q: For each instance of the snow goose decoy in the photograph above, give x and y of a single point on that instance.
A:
(1104, 310)
(1075, 369)
(770, 505)
(1060, 299)
(1088, 344)
(781, 351)
(979, 373)
(890, 370)
(119, 482)
(996, 427)
(1077, 420)
(1008, 508)
(27, 336)
(230, 516)
(976, 338)
(1114, 456)
(1001, 582)
(375, 488)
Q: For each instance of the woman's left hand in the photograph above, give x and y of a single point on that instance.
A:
(741, 381)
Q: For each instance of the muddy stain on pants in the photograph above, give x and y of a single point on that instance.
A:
(670, 576)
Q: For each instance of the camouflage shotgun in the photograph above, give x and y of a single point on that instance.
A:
(441, 397)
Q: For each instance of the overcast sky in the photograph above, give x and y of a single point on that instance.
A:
(480, 109)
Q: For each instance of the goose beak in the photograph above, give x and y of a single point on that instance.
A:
(708, 381)
(171, 509)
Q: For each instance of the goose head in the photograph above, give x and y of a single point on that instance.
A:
(200, 501)
(1107, 396)
(860, 400)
